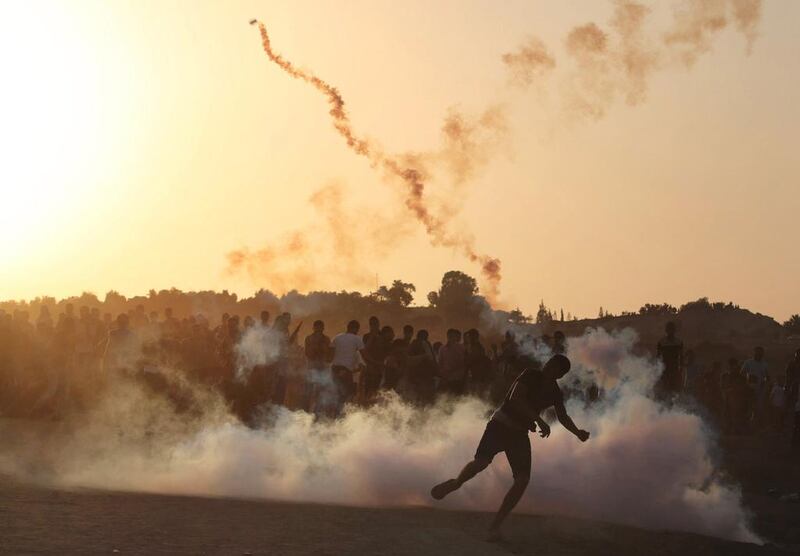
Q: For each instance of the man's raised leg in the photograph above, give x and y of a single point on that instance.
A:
(470, 470)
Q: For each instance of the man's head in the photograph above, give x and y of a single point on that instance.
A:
(453, 336)
(319, 326)
(374, 324)
(559, 341)
(387, 333)
(422, 335)
(265, 318)
(670, 329)
(353, 326)
(556, 367)
(84, 312)
(122, 321)
(408, 332)
(758, 353)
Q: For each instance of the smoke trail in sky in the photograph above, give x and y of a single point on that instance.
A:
(603, 65)
(436, 226)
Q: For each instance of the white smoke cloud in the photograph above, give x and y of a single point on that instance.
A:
(259, 345)
(645, 465)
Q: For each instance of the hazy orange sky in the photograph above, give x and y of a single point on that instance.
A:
(143, 141)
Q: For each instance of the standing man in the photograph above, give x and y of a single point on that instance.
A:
(755, 371)
(317, 347)
(346, 358)
(531, 393)
(452, 365)
(670, 352)
(791, 387)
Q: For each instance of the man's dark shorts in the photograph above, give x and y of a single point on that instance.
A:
(515, 443)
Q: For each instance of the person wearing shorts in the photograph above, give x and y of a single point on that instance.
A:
(531, 393)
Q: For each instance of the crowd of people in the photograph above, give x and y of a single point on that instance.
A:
(743, 398)
(54, 363)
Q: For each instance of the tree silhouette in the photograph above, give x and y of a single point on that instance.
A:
(456, 293)
(793, 324)
(400, 293)
(518, 317)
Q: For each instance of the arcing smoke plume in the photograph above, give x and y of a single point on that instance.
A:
(410, 175)
(604, 64)
(645, 465)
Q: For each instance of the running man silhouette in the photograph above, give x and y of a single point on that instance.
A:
(531, 393)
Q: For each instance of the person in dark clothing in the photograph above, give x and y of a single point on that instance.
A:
(421, 369)
(479, 366)
(736, 396)
(317, 347)
(670, 353)
(531, 393)
(376, 350)
(791, 388)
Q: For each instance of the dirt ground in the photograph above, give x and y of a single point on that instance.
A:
(42, 521)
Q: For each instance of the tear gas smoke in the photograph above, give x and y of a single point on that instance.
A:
(259, 345)
(645, 465)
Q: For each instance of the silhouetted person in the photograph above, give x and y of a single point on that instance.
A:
(452, 365)
(708, 389)
(121, 348)
(693, 373)
(755, 371)
(559, 342)
(737, 396)
(394, 364)
(317, 347)
(376, 348)
(374, 330)
(264, 319)
(421, 369)
(670, 352)
(347, 347)
(509, 355)
(507, 431)
(792, 395)
(479, 366)
(408, 334)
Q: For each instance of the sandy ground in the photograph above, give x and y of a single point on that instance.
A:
(36, 520)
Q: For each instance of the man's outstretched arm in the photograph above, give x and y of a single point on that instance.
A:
(566, 421)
